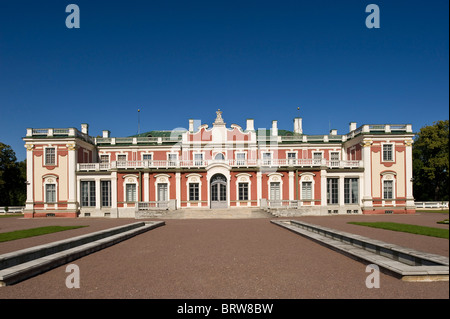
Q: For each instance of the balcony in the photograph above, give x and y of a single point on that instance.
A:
(162, 164)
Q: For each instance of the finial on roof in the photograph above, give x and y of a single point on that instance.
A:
(219, 119)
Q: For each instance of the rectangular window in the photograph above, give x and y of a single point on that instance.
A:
(50, 156)
(162, 192)
(106, 193)
(388, 190)
(351, 190)
(87, 193)
(240, 158)
(387, 152)
(198, 159)
(275, 191)
(104, 158)
(130, 192)
(243, 191)
(50, 193)
(332, 190)
(317, 158)
(334, 158)
(291, 156)
(146, 157)
(267, 158)
(194, 191)
(173, 159)
(122, 160)
(306, 190)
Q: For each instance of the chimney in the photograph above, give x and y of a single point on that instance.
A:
(85, 128)
(250, 125)
(274, 128)
(333, 132)
(191, 125)
(298, 125)
(352, 126)
(106, 133)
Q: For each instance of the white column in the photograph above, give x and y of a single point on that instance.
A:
(146, 187)
(409, 174)
(258, 187)
(72, 180)
(323, 187)
(29, 205)
(291, 185)
(366, 155)
(178, 188)
(341, 191)
(114, 210)
(98, 195)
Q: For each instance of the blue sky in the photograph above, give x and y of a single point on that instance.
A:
(177, 60)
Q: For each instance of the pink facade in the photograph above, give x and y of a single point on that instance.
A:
(367, 170)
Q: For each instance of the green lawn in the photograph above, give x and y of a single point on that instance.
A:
(441, 211)
(18, 234)
(413, 229)
(11, 215)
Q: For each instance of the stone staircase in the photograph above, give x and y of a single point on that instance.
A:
(206, 213)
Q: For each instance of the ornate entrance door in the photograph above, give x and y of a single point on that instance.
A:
(219, 191)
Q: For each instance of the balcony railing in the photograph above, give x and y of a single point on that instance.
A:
(204, 163)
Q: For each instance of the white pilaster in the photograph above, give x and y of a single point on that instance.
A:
(178, 188)
(366, 155)
(409, 174)
(146, 187)
(114, 210)
(258, 186)
(72, 180)
(291, 185)
(323, 187)
(29, 205)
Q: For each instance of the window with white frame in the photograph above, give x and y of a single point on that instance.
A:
(50, 156)
(106, 193)
(351, 190)
(87, 189)
(50, 193)
(334, 158)
(267, 158)
(122, 158)
(172, 159)
(198, 159)
(388, 189)
(240, 158)
(243, 191)
(291, 156)
(104, 159)
(306, 190)
(332, 190)
(388, 152)
(194, 191)
(147, 157)
(130, 192)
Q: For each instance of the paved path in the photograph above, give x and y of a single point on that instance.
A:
(224, 258)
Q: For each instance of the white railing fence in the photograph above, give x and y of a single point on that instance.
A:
(431, 204)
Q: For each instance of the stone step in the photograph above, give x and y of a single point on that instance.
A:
(25, 263)
(405, 263)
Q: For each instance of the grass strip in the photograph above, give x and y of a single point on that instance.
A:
(407, 228)
(19, 234)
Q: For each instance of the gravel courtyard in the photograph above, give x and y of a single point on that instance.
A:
(224, 258)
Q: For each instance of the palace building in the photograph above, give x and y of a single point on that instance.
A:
(365, 171)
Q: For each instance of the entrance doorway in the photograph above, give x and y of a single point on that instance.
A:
(219, 191)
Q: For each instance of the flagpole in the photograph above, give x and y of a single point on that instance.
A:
(139, 121)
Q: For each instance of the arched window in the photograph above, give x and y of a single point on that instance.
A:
(219, 157)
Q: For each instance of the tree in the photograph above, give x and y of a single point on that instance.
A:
(12, 178)
(431, 162)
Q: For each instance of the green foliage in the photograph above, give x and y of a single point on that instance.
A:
(12, 178)
(431, 162)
